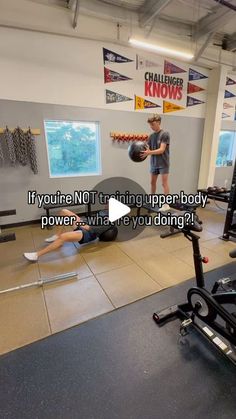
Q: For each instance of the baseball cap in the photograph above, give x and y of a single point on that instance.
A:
(154, 117)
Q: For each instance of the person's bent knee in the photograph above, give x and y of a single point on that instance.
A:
(60, 241)
(63, 237)
(63, 212)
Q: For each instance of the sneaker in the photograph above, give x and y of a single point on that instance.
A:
(165, 207)
(51, 239)
(32, 257)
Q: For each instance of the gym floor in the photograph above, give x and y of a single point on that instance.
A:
(110, 275)
(121, 365)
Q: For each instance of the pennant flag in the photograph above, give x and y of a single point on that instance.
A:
(111, 76)
(224, 115)
(141, 103)
(230, 81)
(227, 105)
(191, 101)
(229, 94)
(195, 75)
(171, 107)
(170, 68)
(113, 57)
(142, 62)
(113, 97)
(192, 88)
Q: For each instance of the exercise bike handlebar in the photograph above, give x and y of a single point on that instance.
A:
(232, 254)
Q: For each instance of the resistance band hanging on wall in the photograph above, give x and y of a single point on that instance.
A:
(18, 146)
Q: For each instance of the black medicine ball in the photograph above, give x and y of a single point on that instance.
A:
(109, 235)
(135, 149)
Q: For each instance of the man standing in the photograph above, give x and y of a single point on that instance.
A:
(159, 144)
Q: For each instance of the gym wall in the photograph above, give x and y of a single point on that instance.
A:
(55, 77)
(186, 134)
(44, 68)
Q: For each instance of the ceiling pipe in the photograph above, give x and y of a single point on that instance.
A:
(204, 46)
(76, 15)
(70, 3)
(226, 4)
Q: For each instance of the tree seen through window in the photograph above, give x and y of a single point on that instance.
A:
(226, 149)
(73, 148)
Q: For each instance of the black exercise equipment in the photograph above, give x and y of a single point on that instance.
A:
(204, 309)
(5, 213)
(179, 206)
(109, 235)
(228, 283)
(7, 236)
(135, 149)
(230, 226)
(107, 231)
(218, 194)
(232, 254)
(216, 190)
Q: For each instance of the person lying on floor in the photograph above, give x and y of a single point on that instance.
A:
(81, 234)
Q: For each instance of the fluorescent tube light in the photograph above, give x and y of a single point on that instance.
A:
(163, 50)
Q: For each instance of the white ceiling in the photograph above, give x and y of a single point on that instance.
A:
(202, 24)
(201, 17)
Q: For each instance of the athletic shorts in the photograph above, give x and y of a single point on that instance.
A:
(88, 236)
(159, 171)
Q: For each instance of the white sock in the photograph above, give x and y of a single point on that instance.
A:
(32, 257)
(51, 239)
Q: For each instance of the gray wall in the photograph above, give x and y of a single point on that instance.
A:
(186, 140)
(223, 176)
(228, 125)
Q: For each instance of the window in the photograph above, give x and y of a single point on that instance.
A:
(73, 148)
(226, 148)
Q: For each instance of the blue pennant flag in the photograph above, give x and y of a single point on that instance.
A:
(195, 75)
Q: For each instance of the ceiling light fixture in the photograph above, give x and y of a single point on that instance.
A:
(156, 48)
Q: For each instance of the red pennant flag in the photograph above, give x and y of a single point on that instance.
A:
(192, 88)
(112, 76)
(170, 68)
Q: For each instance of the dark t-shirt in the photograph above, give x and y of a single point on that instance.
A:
(160, 161)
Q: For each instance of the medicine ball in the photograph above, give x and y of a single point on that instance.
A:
(135, 149)
(109, 235)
